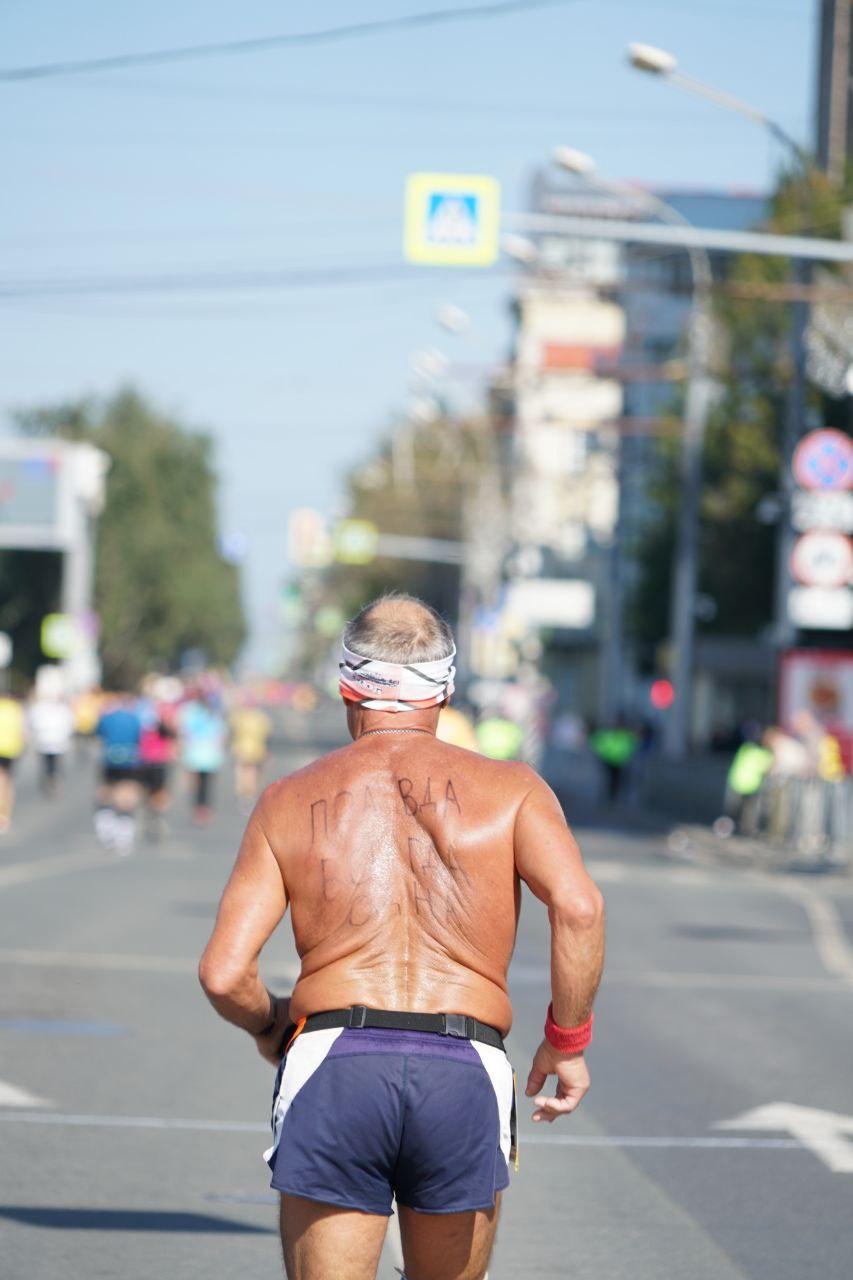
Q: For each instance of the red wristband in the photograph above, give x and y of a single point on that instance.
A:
(567, 1039)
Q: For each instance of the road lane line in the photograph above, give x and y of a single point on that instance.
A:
(528, 975)
(25, 872)
(521, 974)
(728, 981)
(182, 1124)
(120, 961)
(830, 940)
(605, 871)
(97, 960)
(11, 1095)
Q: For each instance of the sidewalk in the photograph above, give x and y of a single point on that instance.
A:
(677, 801)
(693, 843)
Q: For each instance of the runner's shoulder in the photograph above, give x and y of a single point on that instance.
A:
(292, 786)
(514, 777)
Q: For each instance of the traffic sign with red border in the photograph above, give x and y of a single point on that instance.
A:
(824, 460)
(823, 558)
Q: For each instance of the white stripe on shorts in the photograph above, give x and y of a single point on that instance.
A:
(308, 1051)
(499, 1071)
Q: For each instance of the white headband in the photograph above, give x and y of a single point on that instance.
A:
(396, 686)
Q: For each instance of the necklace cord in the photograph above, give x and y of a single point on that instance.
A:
(411, 729)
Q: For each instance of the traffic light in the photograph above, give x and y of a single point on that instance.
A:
(662, 694)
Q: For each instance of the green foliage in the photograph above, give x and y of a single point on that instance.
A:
(417, 486)
(742, 455)
(160, 586)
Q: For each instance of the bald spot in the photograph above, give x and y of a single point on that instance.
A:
(400, 629)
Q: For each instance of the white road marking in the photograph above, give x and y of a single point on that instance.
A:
(12, 1095)
(134, 1122)
(605, 872)
(727, 981)
(701, 1143)
(836, 954)
(25, 872)
(120, 961)
(527, 1137)
(98, 960)
(522, 974)
(825, 1133)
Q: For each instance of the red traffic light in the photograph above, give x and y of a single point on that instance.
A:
(662, 694)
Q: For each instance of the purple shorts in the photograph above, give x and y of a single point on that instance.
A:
(363, 1116)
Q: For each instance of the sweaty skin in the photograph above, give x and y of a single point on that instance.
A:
(401, 858)
(398, 856)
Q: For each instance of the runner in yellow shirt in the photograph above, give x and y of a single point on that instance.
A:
(250, 731)
(12, 740)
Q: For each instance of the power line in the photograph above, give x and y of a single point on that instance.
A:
(258, 44)
(215, 281)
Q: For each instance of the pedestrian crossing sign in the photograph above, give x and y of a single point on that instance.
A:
(452, 219)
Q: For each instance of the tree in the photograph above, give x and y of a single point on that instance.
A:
(161, 586)
(742, 454)
(416, 483)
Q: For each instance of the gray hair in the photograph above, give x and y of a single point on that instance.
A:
(399, 628)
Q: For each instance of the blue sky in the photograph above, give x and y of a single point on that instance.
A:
(297, 158)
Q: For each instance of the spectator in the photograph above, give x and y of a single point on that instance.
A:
(51, 723)
(202, 732)
(12, 739)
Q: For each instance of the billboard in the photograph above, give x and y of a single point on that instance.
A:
(29, 492)
(819, 681)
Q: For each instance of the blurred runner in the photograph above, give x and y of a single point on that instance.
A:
(400, 857)
(250, 731)
(12, 740)
(456, 729)
(157, 750)
(119, 729)
(499, 738)
(202, 732)
(87, 713)
(615, 748)
(52, 727)
(744, 780)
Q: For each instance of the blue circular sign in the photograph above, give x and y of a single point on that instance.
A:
(824, 460)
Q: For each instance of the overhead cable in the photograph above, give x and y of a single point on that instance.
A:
(259, 44)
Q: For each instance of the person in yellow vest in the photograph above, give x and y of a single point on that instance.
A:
(12, 739)
(250, 731)
(455, 728)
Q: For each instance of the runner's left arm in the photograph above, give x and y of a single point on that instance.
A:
(254, 901)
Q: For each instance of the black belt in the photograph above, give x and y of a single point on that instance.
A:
(458, 1025)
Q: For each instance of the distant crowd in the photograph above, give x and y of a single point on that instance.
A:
(192, 725)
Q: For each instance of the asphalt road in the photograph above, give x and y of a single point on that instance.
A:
(132, 1120)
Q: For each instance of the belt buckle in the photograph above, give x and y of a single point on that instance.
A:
(357, 1016)
(456, 1024)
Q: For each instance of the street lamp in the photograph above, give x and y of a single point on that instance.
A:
(659, 62)
(682, 618)
(452, 318)
(520, 248)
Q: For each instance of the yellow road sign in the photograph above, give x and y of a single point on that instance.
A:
(452, 219)
(356, 541)
(57, 635)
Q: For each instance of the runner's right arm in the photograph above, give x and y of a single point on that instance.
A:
(548, 860)
(254, 901)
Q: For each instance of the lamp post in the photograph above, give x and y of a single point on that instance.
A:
(661, 63)
(697, 404)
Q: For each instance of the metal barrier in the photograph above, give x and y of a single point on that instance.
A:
(809, 816)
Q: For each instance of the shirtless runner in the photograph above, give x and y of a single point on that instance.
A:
(401, 858)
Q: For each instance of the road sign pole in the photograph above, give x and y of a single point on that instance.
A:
(682, 612)
(784, 631)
